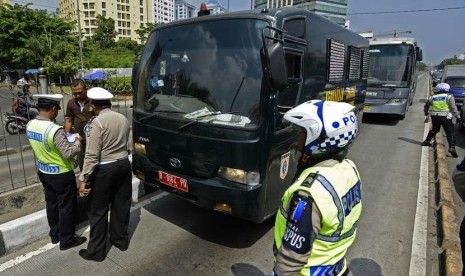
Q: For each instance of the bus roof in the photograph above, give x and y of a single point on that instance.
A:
(392, 41)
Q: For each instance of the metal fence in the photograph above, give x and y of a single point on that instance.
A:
(17, 161)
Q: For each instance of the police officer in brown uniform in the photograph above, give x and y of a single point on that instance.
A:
(78, 113)
(106, 177)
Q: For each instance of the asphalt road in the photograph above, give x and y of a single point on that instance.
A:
(170, 236)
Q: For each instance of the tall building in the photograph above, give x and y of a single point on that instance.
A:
(335, 10)
(184, 10)
(163, 10)
(129, 15)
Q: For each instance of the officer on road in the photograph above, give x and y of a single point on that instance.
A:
(55, 162)
(317, 220)
(106, 177)
(442, 108)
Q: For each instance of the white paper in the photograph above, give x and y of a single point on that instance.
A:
(72, 137)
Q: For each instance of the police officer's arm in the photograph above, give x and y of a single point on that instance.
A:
(93, 150)
(302, 227)
(427, 105)
(453, 106)
(67, 151)
(68, 117)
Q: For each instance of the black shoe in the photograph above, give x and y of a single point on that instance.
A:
(55, 240)
(453, 152)
(122, 248)
(83, 253)
(77, 241)
(426, 144)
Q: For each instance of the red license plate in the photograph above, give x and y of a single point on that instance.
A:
(173, 181)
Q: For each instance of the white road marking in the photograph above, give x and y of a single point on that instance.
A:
(82, 230)
(26, 256)
(419, 240)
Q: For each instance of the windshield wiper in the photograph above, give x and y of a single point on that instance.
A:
(156, 112)
(195, 120)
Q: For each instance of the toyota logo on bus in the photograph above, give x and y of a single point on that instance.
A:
(175, 162)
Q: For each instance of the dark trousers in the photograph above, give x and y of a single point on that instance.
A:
(111, 190)
(437, 122)
(60, 197)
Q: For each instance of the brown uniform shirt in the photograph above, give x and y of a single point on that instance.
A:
(80, 118)
(107, 140)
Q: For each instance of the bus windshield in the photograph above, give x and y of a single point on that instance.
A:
(210, 72)
(390, 65)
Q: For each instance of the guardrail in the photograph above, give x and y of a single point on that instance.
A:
(17, 161)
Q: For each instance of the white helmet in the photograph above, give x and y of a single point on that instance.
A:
(330, 126)
(442, 87)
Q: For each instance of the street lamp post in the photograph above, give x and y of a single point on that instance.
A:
(80, 38)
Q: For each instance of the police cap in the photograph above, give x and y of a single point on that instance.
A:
(99, 94)
(48, 100)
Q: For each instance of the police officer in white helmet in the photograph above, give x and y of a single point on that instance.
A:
(106, 177)
(441, 106)
(317, 220)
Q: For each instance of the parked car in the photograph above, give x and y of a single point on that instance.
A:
(436, 77)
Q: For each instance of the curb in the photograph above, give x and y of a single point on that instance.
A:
(7, 151)
(449, 240)
(20, 232)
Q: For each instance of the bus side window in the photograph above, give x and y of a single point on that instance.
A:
(287, 98)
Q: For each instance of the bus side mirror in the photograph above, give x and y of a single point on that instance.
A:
(277, 66)
(420, 54)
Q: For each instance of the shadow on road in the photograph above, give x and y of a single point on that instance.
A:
(364, 266)
(242, 269)
(209, 225)
(380, 119)
(409, 140)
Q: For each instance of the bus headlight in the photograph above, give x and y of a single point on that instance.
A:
(139, 148)
(251, 178)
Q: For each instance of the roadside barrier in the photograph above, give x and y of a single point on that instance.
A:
(448, 240)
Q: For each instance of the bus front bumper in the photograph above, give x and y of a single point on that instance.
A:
(386, 106)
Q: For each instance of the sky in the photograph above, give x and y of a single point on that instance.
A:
(440, 33)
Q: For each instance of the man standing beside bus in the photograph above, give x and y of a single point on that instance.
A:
(78, 113)
(442, 108)
(316, 222)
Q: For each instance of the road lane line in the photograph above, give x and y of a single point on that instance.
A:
(419, 246)
(84, 229)
(22, 258)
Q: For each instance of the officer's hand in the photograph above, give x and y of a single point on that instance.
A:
(82, 189)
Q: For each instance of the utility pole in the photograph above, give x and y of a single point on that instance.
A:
(80, 38)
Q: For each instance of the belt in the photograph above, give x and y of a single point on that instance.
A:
(439, 113)
(111, 161)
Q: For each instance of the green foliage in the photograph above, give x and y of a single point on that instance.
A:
(23, 29)
(452, 61)
(421, 66)
(116, 57)
(105, 33)
(145, 31)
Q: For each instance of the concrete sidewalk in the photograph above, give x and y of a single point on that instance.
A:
(25, 230)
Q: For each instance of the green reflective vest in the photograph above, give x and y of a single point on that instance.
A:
(336, 192)
(439, 102)
(49, 159)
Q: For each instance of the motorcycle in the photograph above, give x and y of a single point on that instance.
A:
(14, 123)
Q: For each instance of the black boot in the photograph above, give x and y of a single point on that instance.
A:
(426, 143)
(453, 152)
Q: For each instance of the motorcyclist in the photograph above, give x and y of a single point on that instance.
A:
(25, 106)
(24, 83)
(317, 220)
(441, 106)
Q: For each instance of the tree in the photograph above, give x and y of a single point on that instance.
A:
(452, 61)
(105, 33)
(145, 31)
(20, 27)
